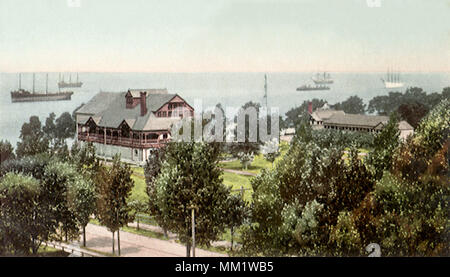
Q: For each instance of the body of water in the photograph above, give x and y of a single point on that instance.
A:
(229, 89)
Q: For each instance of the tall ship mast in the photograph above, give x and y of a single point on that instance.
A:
(322, 78)
(62, 84)
(22, 95)
(392, 80)
(265, 90)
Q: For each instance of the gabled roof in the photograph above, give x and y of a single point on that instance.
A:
(98, 103)
(357, 120)
(137, 92)
(108, 109)
(321, 115)
(403, 125)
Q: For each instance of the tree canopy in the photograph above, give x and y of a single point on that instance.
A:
(190, 178)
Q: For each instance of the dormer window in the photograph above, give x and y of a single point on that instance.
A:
(129, 101)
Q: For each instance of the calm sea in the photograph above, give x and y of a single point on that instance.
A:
(229, 89)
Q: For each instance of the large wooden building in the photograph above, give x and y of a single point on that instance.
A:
(131, 123)
(328, 118)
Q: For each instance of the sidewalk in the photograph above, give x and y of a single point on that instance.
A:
(172, 236)
(98, 238)
(239, 172)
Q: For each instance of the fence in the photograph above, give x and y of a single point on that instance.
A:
(71, 250)
(241, 191)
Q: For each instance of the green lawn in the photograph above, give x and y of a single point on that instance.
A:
(235, 181)
(47, 251)
(230, 179)
(138, 191)
(256, 166)
(258, 163)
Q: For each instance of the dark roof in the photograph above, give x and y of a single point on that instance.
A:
(98, 103)
(109, 108)
(137, 92)
(356, 120)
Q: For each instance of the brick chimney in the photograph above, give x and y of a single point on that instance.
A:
(310, 107)
(143, 103)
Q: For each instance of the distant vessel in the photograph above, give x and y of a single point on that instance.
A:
(22, 95)
(62, 84)
(308, 87)
(392, 80)
(322, 79)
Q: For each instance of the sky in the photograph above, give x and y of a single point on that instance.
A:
(224, 35)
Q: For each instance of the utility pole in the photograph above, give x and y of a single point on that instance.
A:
(46, 83)
(193, 231)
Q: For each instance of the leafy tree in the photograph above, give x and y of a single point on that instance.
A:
(385, 104)
(271, 150)
(6, 151)
(412, 112)
(49, 128)
(414, 157)
(29, 165)
(246, 159)
(84, 158)
(151, 171)
(296, 115)
(385, 144)
(237, 213)
(81, 200)
(65, 126)
(247, 146)
(190, 178)
(306, 227)
(138, 206)
(114, 187)
(304, 195)
(22, 227)
(407, 214)
(33, 140)
(262, 234)
(345, 236)
(353, 105)
(446, 93)
(66, 196)
(58, 178)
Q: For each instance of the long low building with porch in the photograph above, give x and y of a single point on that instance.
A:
(327, 118)
(131, 123)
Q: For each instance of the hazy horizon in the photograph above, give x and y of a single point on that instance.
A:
(224, 36)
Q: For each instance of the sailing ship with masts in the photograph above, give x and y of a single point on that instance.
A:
(322, 78)
(22, 95)
(320, 82)
(62, 84)
(392, 80)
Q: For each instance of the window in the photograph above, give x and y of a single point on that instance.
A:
(164, 114)
(170, 114)
(159, 114)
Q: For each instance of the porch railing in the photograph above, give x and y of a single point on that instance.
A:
(120, 141)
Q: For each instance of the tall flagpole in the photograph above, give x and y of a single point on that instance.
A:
(265, 92)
